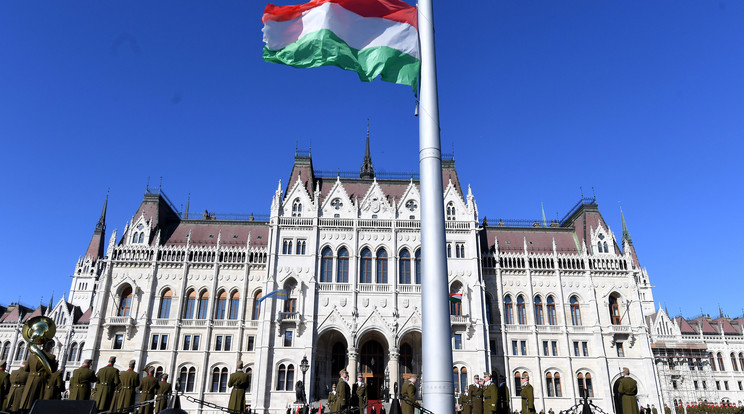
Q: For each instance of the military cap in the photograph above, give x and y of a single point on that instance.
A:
(132, 363)
(164, 377)
(112, 360)
(476, 377)
(486, 374)
(151, 370)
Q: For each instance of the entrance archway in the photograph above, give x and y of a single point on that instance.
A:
(372, 363)
(410, 356)
(330, 358)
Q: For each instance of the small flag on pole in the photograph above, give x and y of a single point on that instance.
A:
(455, 297)
(280, 294)
(370, 37)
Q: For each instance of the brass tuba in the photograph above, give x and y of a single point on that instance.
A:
(36, 331)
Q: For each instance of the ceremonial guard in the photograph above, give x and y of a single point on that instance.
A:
(18, 380)
(343, 392)
(148, 386)
(81, 380)
(528, 396)
(408, 395)
(332, 398)
(464, 401)
(125, 393)
(667, 410)
(476, 396)
(37, 375)
(4, 384)
(108, 380)
(628, 388)
(490, 395)
(359, 393)
(163, 394)
(55, 386)
(239, 382)
(654, 410)
(502, 405)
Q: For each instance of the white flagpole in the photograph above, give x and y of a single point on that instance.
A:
(437, 384)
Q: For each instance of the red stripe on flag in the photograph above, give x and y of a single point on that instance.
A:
(395, 10)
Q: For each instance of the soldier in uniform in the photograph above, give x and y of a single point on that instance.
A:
(108, 380)
(4, 383)
(502, 404)
(667, 410)
(332, 398)
(464, 401)
(55, 386)
(476, 396)
(343, 392)
(360, 393)
(18, 380)
(163, 394)
(239, 382)
(125, 393)
(528, 396)
(490, 395)
(408, 395)
(148, 386)
(628, 388)
(81, 380)
(654, 410)
(37, 375)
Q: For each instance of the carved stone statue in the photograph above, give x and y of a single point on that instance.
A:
(300, 393)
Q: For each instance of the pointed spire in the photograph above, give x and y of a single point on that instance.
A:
(626, 233)
(545, 221)
(95, 248)
(188, 202)
(51, 302)
(367, 171)
(102, 220)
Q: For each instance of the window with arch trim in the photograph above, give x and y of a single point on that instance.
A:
(614, 308)
(584, 381)
(552, 320)
(249, 372)
(125, 303)
(187, 376)
(733, 362)
(538, 311)
(165, 304)
(417, 265)
(553, 384)
(518, 381)
(6, 351)
(234, 305)
(342, 266)
(365, 268)
(508, 310)
(256, 313)
(721, 367)
(455, 307)
(142, 237)
(404, 264)
(285, 378)
(381, 266)
(219, 380)
(575, 311)
(203, 305)
(296, 208)
(741, 360)
(521, 311)
(221, 308)
(74, 350)
(463, 378)
(21, 352)
(712, 361)
(190, 308)
(80, 351)
(450, 211)
(326, 265)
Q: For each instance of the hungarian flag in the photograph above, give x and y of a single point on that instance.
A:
(456, 297)
(370, 37)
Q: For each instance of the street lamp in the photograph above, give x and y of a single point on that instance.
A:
(304, 366)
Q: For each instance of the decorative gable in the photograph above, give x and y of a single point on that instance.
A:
(297, 202)
(338, 203)
(139, 232)
(374, 204)
(409, 207)
(602, 240)
(455, 208)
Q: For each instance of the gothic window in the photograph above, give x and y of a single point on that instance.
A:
(125, 305)
(21, 351)
(456, 307)
(6, 351)
(538, 311)
(165, 304)
(287, 246)
(721, 367)
(741, 360)
(381, 266)
(553, 384)
(606, 250)
(521, 311)
(417, 259)
(405, 267)
(188, 312)
(508, 310)
(456, 378)
(326, 265)
(551, 311)
(301, 244)
(142, 237)
(219, 311)
(463, 378)
(365, 270)
(342, 268)
(450, 211)
(488, 308)
(74, 351)
(249, 373)
(285, 378)
(336, 203)
(584, 381)
(518, 381)
(614, 310)
(733, 362)
(256, 306)
(188, 378)
(290, 305)
(219, 380)
(234, 305)
(599, 246)
(203, 305)
(712, 361)
(296, 208)
(575, 311)
(449, 249)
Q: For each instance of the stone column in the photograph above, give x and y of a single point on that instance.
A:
(352, 367)
(394, 368)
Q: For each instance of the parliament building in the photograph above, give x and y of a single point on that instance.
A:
(564, 302)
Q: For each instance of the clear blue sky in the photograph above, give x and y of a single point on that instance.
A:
(642, 101)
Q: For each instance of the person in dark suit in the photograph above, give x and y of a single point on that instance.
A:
(81, 380)
(408, 396)
(502, 404)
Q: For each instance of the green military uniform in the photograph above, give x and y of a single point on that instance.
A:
(654, 410)
(490, 398)
(360, 395)
(164, 392)
(408, 395)
(108, 380)
(342, 396)
(148, 386)
(331, 400)
(476, 398)
(4, 385)
(667, 410)
(528, 399)
(628, 389)
(239, 382)
(125, 393)
(18, 380)
(503, 406)
(55, 386)
(464, 402)
(37, 377)
(80, 383)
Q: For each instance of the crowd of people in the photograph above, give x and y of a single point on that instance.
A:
(347, 397)
(485, 396)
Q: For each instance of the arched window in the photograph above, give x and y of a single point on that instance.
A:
(557, 384)
(508, 310)
(404, 272)
(297, 208)
(6, 351)
(290, 377)
(488, 309)
(733, 362)
(584, 381)
(538, 311)
(142, 237)
(365, 268)
(187, 378)
(188, 311)
(219, 311)
(450, 211)
(517, 383)
(219, 380)
(125, 304)
(449, 249)
(256, 306)
(406, 359)
(614, 310)
(741, 360)
(80, 351)
(599, 246)
(326, 266)
(342, 268)
(551, 311)
(549, 384)
(381, 266)
(234, 305)
(74, 350)
(285, 378)
(712, 361)
(249, 372)
(20, 352)
(135, 237)
(417, 258)
(721, 367)
(456, 379)
(521, 311)
(605, 248)
(463, 378)
(203, 305)
(455, 306)
(575, 311)
(165, 304)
